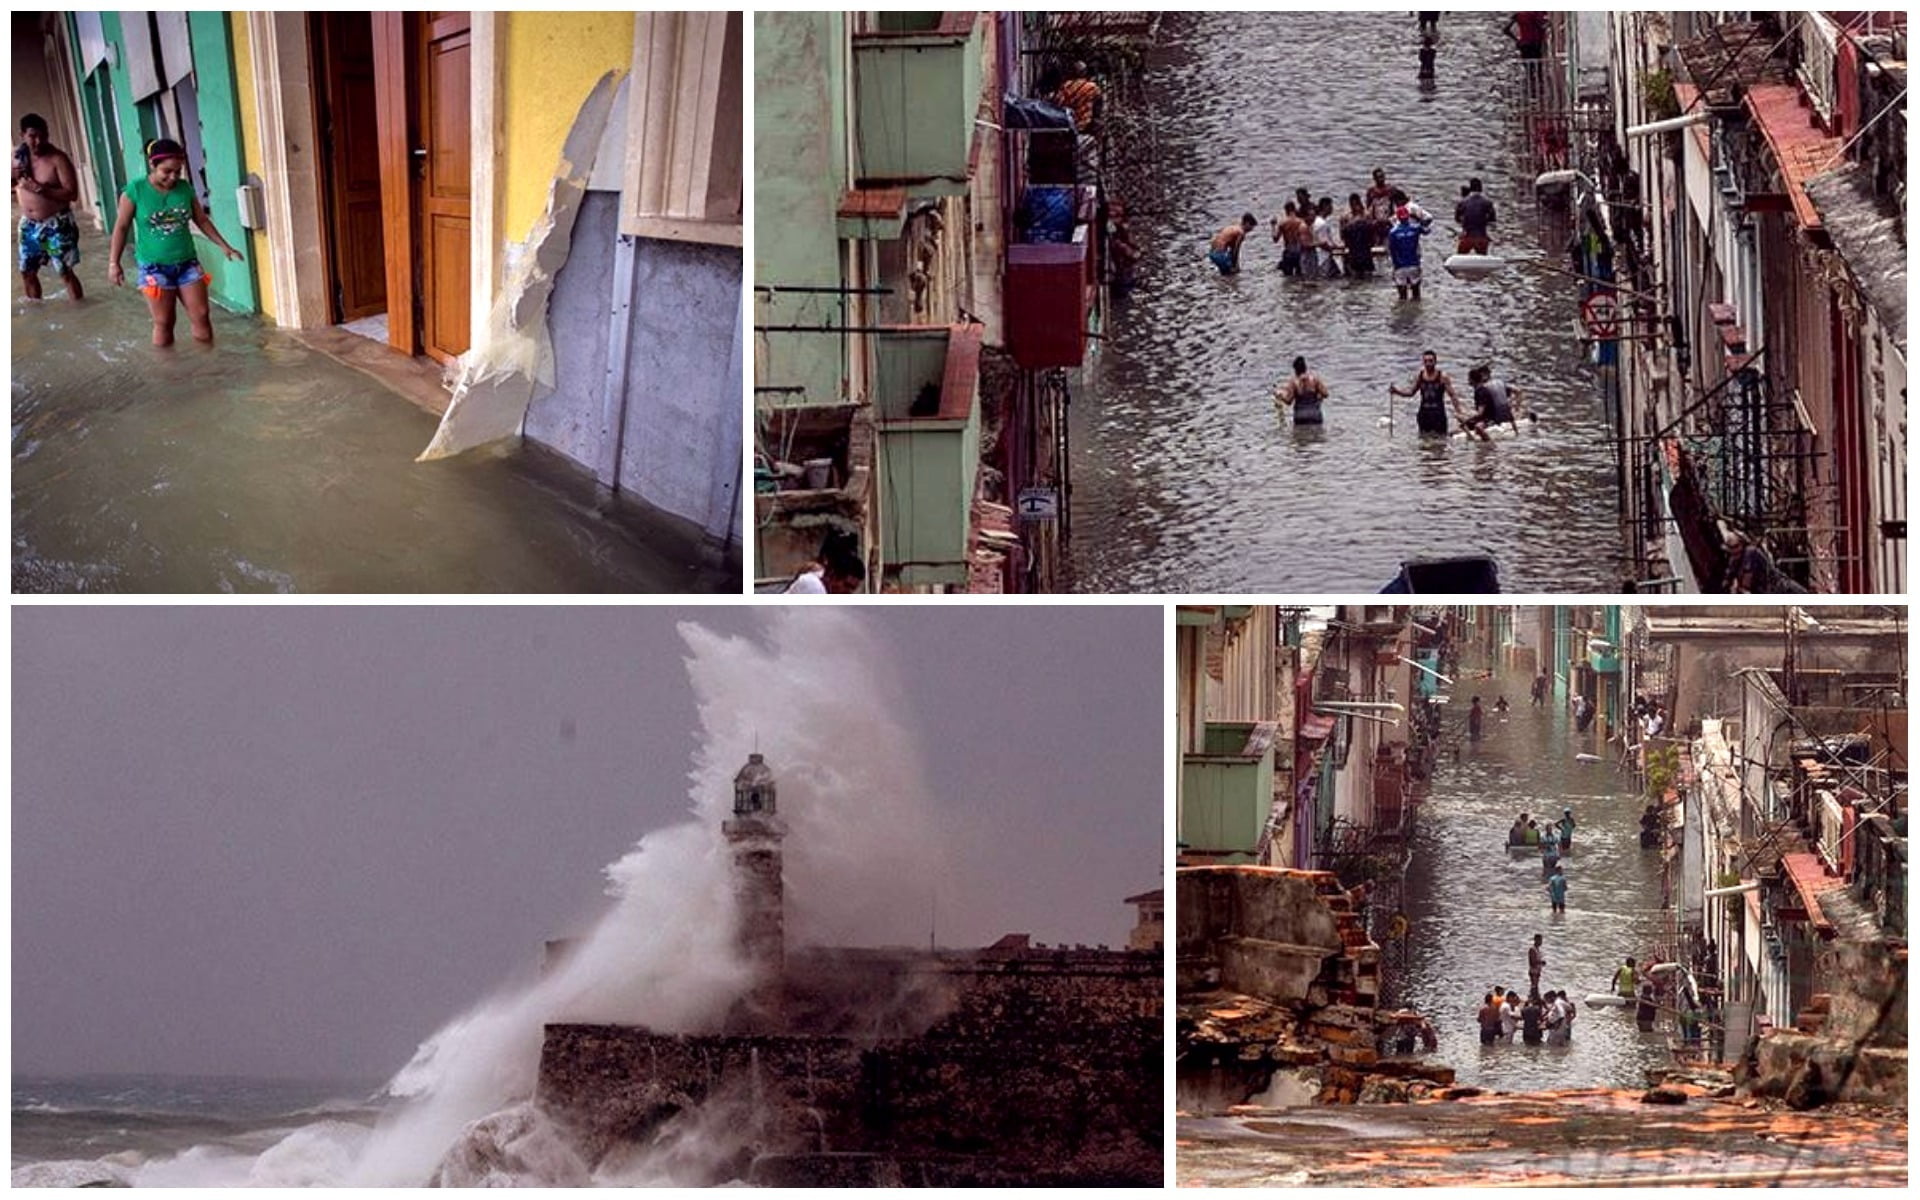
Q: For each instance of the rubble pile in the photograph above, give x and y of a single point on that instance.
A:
(1324, 1054)
(1848, 1046)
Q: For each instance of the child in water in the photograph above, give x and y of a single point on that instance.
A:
(158, 211)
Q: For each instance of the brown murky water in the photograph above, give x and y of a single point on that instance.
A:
(1474, 909)
(1184, 478)
(264, 466)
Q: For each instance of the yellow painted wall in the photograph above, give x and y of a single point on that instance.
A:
(549, 62)
(250, 143)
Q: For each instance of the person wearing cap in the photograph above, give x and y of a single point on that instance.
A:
(1403, 251)
(46, 186)
(160, 212)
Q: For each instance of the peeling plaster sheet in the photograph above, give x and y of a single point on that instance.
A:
(514, 353)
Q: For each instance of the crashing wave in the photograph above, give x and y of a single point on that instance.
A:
(516, 1147)
(70, 1174)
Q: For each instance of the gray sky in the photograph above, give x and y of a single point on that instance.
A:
(294, 841)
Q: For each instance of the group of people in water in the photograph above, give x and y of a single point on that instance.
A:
(1318, 242)
(1652, 989)
(1495, 402)
(1543, 1017)
(1555, 841)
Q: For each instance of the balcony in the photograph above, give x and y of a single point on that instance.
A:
(1603, 658)
(1227, 792)
(927, 409)
(1046, 303)
(813, 467)
(917, 82)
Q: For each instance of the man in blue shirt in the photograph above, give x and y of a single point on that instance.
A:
(1403, 251)
(1557, 889)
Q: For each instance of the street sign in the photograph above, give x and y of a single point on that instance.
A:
(1601, 314)
(1038, 504)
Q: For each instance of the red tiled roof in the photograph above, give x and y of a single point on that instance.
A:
(1316, 726)
(1802, 148)
(1810, 878)
(874, 202)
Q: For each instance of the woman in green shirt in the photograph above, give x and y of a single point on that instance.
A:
(159, 211)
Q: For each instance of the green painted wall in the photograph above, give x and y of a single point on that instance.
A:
(1223, 802)
(800, 165)
(917, 95)
(230, 284)
(103, 139)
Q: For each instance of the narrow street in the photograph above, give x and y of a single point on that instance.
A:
(1591, 1138)
(1737, 779)
(1474, 907)
(265, 466)
(1186, 479)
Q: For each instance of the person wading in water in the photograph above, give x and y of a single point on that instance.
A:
(1435, 390)
(1304, 394)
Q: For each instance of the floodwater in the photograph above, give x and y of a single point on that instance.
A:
(1185, 479)
(1474, 908)
(265, 466)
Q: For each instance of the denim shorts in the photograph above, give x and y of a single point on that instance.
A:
(158, 277)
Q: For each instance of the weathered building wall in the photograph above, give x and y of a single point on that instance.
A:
(1046, 1070)
(680, 437)
(549, 62)
(1704, 682)
(1261, 931)
(799, 136)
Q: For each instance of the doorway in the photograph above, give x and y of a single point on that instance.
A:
(392, 102)
(348, 129)
(444, 158)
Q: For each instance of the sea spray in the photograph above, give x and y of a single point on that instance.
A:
(816, 697)
(815, 694)
(819, 698)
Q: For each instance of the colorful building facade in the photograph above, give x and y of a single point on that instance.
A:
(545, 206)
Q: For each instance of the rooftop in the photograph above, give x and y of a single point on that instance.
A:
(1869, 240)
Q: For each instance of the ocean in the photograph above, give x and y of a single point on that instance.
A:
(183, 1131)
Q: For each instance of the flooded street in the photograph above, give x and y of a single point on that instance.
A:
(1185, 478)
(1474, 908)
(265, 466)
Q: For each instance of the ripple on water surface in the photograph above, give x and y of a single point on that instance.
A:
(1184, 479)
(1474, 910)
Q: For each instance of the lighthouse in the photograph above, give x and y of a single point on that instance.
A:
(754, 834)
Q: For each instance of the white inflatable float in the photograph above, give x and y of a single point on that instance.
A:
(1473, 267)
(1505, 431)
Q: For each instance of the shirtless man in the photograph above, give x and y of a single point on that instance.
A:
(1286, 231)
(1435, 390)
(46, 186)
(1224, 250)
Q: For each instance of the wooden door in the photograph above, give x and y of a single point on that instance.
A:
(356, 245)
(444, 157)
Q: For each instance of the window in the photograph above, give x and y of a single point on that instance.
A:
(683, 177)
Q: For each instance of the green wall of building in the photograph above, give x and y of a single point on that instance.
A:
(231, 285)
(800, 166)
